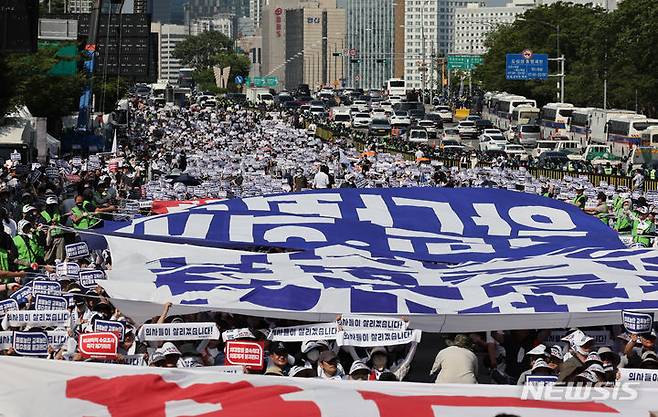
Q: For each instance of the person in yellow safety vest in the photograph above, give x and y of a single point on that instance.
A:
(7, 258)
(608, 169)
(652, 174)
(82, 212)
(601, 209)
(30, 253)
(55, 237)
(580, 198)
(643, 227)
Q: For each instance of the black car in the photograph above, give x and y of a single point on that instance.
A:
(237, 97)
(552, 159)
(482, 124)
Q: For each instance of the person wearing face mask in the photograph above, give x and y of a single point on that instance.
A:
(359, 371)
(30, 253)
(329, 367)
(581, 347)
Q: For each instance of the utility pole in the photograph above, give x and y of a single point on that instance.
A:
(422, 35)
(432, 74)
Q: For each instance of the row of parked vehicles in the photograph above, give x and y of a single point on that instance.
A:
(626, 136)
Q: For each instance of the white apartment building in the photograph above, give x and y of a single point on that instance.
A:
(429, 29)
(473, 22)
(223, 23)
(168, 37)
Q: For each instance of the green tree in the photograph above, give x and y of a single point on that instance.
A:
(109, 93)
(199, 51)
(6, 86)
(43, 94)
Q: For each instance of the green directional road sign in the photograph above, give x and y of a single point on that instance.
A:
(463, 62)
(262, 81)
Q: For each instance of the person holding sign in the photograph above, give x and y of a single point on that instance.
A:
(55, 240)
(82, 214)
(633, 354)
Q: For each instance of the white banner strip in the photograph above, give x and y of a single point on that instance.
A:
(36, 318)
(179, 331)
(357, 322)
(645, 377)
(76, 389)
(371, 338)
(318, 331)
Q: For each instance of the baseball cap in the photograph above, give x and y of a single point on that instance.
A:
(649, 356)
(587, 376)
(169, 349)
(539, 350)
(540, 363)
(556, 352)
(22, 224)
(596, 368)
(52, 200)
(593, 357)
(156, 357)
(279, 349)
(358, 366)
(28, 208)
(328, 356)
(302, 372)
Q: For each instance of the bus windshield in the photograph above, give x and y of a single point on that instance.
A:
(396, 83)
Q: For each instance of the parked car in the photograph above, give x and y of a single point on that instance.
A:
(526, 135)
(467, 129)
(543, 146)
(361, 120)
(400, 118)
(483, 124)
(418, 135)
(553, 160)
(516, 151)
(379, 127)
(492, 142)
(445, 112)
(429, 126)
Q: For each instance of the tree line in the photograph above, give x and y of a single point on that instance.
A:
(618, 46)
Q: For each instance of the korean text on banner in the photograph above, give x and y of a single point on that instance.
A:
(249, 354)
(30, 343)
(646, 377)
(637, 323)
(37, 318)
(50, 302)
(355, 322)
(324, 331)
(98, 345)
(76, 250)
(370, 338)
(110, 326)
(179, 331)
(8, 305)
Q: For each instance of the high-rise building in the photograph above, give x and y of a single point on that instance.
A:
(313, 33)
(429, 28)
(473, 22)
(168, 37)
(273, 30)
(255, 11)
(79, 6)
(223, 23)
(167, 11)
(370, 42)
(197, 9)
(399, 39)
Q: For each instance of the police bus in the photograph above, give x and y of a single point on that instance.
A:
(625, 131)
(524, 114)
(579, 125)
(554, 119)
(506, 106)
(491, 106)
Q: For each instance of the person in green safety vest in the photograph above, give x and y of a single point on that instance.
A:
(82, 214)
(601, 209)
(624, 217)
(607, 170)
(55, 236)
(580, 199)
(30, 253)
(643, 227)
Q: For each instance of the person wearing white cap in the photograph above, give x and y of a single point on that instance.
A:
(581, 347)
(30, 253)
(172, 355)
(359, 371)
(535, 354)
(55, 242)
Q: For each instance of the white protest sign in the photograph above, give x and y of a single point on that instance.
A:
(46, 287)
(110, 326)
(637, 323)
(134, 360)
(37, 318)
(233, 334)
(643, 376)
(15, 156)
(56, 338)
(6, 339)
(50, 302)
(318, 331)
(8, 305)
(371, 338)
(355, 322)
(179, 331)
(88, 277)
(76, 250)
(541, 379)
(67, 269)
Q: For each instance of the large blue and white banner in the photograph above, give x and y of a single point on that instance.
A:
(448, 260)
(430, 224)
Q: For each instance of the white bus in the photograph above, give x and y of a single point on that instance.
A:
(579, 125)
(598, 123)
(505, 107)
(554, 119)
(489, 110)
(625, 132)
(396, 87)
(649, 137)
(524, 114)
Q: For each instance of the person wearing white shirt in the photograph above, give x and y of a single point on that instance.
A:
(321, 180)
(456, 364)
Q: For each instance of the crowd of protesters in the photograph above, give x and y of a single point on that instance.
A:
(231, 151)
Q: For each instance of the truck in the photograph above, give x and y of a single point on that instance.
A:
(258, 96)
(599, 119)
